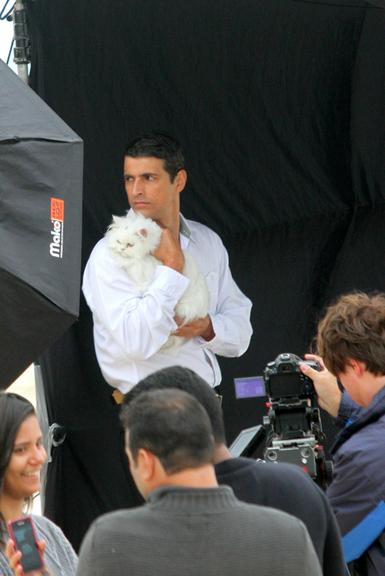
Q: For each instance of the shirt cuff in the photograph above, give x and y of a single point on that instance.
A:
(169, 282)
(208, 343)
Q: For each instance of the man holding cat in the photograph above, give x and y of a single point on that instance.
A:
(131, 326)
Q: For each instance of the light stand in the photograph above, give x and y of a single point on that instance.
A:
(22, 50)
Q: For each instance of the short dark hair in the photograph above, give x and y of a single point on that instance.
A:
(172, 425)
(354, 327)
(161, 146)
(185, 379)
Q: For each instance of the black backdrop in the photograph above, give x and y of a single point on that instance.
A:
(280, 107)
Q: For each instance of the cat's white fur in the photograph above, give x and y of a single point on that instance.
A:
(132, 239)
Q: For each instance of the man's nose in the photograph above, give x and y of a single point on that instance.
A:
(137, 187)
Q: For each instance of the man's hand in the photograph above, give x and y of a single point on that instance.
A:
(169, 251)
(325, 384)
(200, 327)
(14, 557)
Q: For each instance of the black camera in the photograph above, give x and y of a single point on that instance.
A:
(293, 421)
(292, 428)
(284, 379)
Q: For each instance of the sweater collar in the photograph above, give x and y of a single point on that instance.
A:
(195, 500)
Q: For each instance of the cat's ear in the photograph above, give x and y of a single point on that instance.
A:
(112, 226)
(143, 232)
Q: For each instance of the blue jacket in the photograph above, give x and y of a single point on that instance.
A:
(359, 473)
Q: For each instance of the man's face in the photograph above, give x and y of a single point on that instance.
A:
(353, 385)
(150, 190)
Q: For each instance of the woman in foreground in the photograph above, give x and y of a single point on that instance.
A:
(22, 456)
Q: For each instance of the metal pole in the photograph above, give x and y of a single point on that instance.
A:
(22, 50)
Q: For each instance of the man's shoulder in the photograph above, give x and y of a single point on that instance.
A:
(266, 470)
(149, 522)
(122, 515)
(367, 441)
(121, 521)
(276, 520)
(101, 261)
(99, 249)
(285, 486)
(200, 230)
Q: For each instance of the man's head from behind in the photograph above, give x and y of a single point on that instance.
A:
(167, 433)
(188, 381)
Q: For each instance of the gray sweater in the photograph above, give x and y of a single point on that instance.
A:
(59, 556)
(197, 531)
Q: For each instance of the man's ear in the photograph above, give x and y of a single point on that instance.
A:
(145, 463)
(180, 180)
(358, 367)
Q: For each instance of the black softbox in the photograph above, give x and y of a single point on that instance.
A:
(40, 225)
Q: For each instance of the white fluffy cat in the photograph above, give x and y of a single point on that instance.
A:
(131, 239)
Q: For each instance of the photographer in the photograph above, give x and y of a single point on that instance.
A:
(351, 342)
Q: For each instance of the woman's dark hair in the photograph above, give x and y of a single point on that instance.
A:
(14, 409)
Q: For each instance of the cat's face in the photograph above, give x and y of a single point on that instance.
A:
(133, 237)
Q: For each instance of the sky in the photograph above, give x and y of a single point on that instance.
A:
(6, 35)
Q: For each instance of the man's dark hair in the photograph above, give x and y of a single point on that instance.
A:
(188, 381)
(172, 425)
(161, 146)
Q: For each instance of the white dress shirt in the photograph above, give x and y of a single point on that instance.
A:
(131, 326)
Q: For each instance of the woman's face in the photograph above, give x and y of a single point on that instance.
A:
(22, 477)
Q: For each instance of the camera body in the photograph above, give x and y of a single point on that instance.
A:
(293, 422)
(284, 379)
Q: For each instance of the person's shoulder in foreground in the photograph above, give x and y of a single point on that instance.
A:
(190, 525)
(198, 531)
(287, 488)
(284, 487)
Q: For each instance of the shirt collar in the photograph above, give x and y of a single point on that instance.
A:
(185, 232)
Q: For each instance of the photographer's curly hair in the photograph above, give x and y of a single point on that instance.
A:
(354, 327)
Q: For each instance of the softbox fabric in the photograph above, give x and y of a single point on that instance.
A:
(279, 106)
(41, 164)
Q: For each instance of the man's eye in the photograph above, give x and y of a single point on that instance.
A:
(150, 177)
